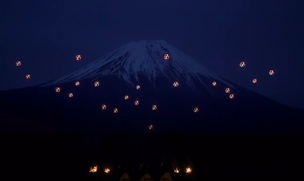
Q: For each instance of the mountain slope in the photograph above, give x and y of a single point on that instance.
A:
(41, 109)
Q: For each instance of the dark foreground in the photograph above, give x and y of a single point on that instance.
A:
(69, 156)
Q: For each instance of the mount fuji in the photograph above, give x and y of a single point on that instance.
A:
(145, 86)
(145, 59)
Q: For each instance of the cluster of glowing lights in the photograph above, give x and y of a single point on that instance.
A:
(104, 107)
(96, 84)
(136, 102)
(106, 170)
(167, 176)
(188, 170)
(227, 90)
(78, 57)
(57, 89)
(18, 63)
(93, 169)
(28, 76)
(175, 84)
(242, 64)
(255, 80)
(154, 107)
(176, 170)
(166, 56)
(126, 97)
(231, 96)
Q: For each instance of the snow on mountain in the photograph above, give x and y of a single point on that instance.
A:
(145, 58)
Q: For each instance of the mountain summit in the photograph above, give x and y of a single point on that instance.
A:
(145, 60)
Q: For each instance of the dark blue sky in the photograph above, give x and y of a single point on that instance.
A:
(46, 36)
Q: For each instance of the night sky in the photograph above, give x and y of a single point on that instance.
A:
(46, 36)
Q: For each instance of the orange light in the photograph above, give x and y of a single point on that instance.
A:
(242, 64)
(18, 63)
(136, 102)
(77, 83)
(104, 107)
(28, 76)
(195, 110)
(78, 57)
(188, 170)
(126, 97)
(175, 84)
(71, 95)
(227, 90)
(214, 83)
(271, 72)
(96, 84)
(154, 107)
(93, 169)
(115, 110)
(150, 126)
(57, 89)
(107, 170)
(176, 170)
(255, 80)
(166, 56)
(137, 87)
(231, 96)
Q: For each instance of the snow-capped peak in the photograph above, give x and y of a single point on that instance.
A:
(144, 59)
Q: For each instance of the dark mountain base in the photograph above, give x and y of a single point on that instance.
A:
(69, 156)
(43, 110)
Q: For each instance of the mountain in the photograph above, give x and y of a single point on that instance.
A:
(145, 59)
(174, 93)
